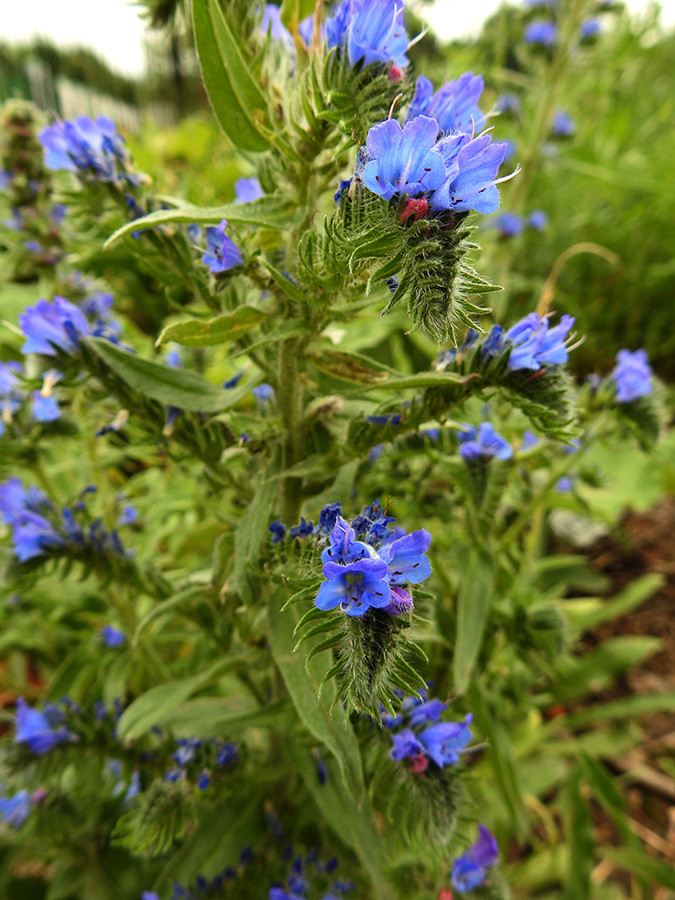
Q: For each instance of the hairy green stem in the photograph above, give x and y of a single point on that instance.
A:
(289, 394)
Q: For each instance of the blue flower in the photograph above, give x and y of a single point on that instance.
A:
(51, 326)
(507, 103)
(248, 189)
(304, 529)
(328, 517)
(484, 442)
(129, 515)
(562, 126)
(534, 344)
(403, 160)
(632, 376)
(537, 219)
(468, 870)
(384, 419)
(355, 587)
(405, 558)
(541, 33)
(89, 148)
(429, 711)
(112, 637)
(508, 224)
(34, 728)
(345, 184)
(11, 396)
(405, 746)
(471, 167)
(444, 741)
(454, 106)
(344, 548)
(227, 754)
(222, 253)
(564, 484)
(278, 530)
(271, 23)
(589, 30)
(14, 810)
(529, 440)
(44, 409)
(370, 30)
(264, 395)
(23, 510)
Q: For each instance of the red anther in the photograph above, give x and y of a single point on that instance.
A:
(394, 74)
(556, 710)
(445, 894)
(419, 764)
(417, 208)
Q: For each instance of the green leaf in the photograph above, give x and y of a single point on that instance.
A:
(250, 535)
(207, 717)
(473, 605)
(353, 823)
(631, 596)
(174, 387)
(168, 606)
(287, 286)
(644, 705)
(266, 212)
(598, 668)
(638, 863)
(423, 380)
(328, 727)
(606, 792)
(216, 842)
(350, 367)
(236, 99)
(580, 841)
(198, 333)
(294, 11)
(156, 704)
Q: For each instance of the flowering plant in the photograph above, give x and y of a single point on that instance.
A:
(221, 694)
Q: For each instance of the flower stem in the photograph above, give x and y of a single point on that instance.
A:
(289, 394)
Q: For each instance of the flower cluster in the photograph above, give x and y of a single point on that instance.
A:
(38, 527)
(482, 442)
(632, 375)
(469, 870)
(303, 871)
(195, 758)
(368, 31)
(372, 572)
(532, 342)
(58, 325)
(454, 172)
(91, 149)
(424, 738)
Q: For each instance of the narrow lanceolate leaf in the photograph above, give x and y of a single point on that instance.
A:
(198, 333)
(326, 725)
(174, 387)
(235, 97)
(266, 212)
(473, 606)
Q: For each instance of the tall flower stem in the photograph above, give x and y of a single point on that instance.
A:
(289, 394)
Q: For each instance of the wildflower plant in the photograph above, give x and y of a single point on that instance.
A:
(221, 693)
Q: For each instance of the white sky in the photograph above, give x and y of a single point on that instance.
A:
(114, 29)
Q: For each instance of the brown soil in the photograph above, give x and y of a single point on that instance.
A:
(645, 542)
